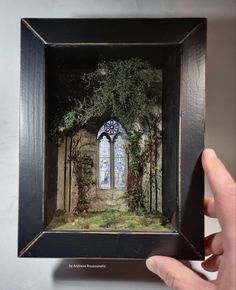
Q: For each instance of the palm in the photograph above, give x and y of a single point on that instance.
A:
(220, 246)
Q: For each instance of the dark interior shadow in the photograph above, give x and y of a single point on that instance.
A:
(115, 270)
(50, 205)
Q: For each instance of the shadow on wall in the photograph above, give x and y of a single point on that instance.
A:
(102, 269)
(51, 173)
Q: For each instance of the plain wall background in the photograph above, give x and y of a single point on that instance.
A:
(25, 274)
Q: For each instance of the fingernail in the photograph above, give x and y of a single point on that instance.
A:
(152, 265)
(211, 152)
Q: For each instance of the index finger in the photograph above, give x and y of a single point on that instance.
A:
(209, 206)
(223, 187)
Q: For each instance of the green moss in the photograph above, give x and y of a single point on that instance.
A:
(111, 220)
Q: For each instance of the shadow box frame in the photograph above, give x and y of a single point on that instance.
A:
(183, 135)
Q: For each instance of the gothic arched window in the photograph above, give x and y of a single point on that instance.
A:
(112, 156)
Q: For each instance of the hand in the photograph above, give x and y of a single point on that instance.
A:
(221, 246)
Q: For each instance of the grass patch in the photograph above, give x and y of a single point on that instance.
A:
(111, 220)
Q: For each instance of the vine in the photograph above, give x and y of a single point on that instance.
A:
(130, 92)
(83, 170)
(134, 194)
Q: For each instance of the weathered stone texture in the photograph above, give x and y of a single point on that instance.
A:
(99, 200)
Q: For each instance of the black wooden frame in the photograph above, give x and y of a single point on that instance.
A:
(185, 110)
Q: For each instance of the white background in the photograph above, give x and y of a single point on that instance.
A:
(25, 274)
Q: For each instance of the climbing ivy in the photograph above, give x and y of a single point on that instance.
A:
(83, 170)
(130, 92)
(134, 194)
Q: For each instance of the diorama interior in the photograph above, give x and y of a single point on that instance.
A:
(112, 138)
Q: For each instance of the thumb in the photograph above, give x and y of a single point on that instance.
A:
(175, 274)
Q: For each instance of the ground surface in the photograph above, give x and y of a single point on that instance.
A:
(111, 220)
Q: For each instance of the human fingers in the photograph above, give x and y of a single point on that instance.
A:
(176, 275)
(214, 244)
(212, 263)
(209, 207)
(223, 187)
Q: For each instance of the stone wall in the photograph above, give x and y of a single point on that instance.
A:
(146, 185)
(108, 199)
(99, 200)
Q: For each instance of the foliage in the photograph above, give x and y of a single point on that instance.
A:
(74, 119)
(135, 151)
(83, 170)
(135, 199)
(130, 92)
(126, 89)
(111, 220)
(134, 194)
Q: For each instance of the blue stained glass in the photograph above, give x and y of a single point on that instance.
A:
(104, 163)
(112, 128)
(120, 162)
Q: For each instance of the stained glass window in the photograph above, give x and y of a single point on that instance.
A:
(112, 128)
(104, 163)
(112, 155)
(119, 162)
